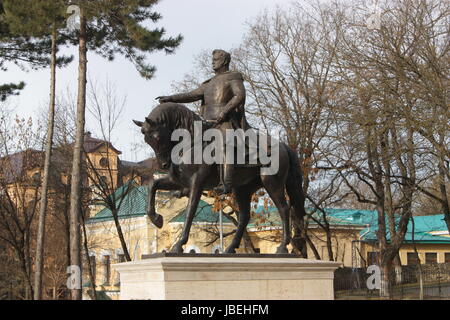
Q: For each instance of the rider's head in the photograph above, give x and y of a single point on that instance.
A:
(221, 60)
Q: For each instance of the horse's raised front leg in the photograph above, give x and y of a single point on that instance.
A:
(165, 183)
(243, 197)
(194, 198)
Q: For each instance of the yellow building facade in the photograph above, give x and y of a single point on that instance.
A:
(350, 236)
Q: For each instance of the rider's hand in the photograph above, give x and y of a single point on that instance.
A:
(163, 99)
(222, 118)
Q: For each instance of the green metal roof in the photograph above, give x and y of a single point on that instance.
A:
(351, 216)
(423, 228)
(204, 213)
(423, 225)
(266, 217)
(368, 219)
(134, 204)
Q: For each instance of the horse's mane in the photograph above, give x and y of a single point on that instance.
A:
(174, 116)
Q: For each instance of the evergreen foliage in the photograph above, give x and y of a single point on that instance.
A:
(120, 27)
(25, 36)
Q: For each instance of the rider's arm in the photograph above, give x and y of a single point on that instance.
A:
(238, 89)
(192, 96)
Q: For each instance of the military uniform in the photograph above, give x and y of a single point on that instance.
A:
(224, 93)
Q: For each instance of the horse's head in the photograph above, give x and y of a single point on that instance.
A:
(159, 138)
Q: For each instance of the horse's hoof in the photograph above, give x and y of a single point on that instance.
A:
(177, 249)
(157, 220)
(230, 250)
(282, 250)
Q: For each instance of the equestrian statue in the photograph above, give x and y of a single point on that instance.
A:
(222, 108)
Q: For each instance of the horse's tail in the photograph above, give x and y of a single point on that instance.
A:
(294, 188)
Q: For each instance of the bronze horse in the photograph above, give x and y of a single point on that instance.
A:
(193, 179)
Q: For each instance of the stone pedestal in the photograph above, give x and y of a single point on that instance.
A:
(226, 277)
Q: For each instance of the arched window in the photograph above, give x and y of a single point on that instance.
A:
(193, 249)
(36, 178)
(216, 249)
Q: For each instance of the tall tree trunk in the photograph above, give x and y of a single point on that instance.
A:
(313, 248)
(120, 234)
(386, 279)
(373, 161)
(389, 202)
(398, 269)
(443, 190)
(44, 189)
(25, 272)
(329, 243)
(89, 265)
(75, 194)
(28, 263)
(419, 265)
(67, 227)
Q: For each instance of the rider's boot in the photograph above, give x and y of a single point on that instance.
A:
(226, 185)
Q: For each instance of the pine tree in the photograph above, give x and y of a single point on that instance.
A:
(10, 89)
(115, 27)
(109, 28)
(24, 49)
(40, 20)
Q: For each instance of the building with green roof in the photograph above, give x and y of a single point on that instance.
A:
(131, 201)
(353, 232)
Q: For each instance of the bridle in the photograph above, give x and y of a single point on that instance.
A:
(164, 152)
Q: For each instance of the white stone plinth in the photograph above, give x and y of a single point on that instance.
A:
(226, 278)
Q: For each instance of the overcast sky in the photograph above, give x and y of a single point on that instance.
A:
(204, 24)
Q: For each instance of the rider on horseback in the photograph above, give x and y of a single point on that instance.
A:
(223, 100)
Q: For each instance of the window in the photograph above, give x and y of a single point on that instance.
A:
(106, 269)
(411, 258)
(103, 162)
(447, 257)
(104, 180)
(36, 177)
(216, 249)
(193, 249)
(430, 257)
(121, 257)
(372, 258)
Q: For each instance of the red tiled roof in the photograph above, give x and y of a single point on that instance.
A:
(91, 144)
(12, 166)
